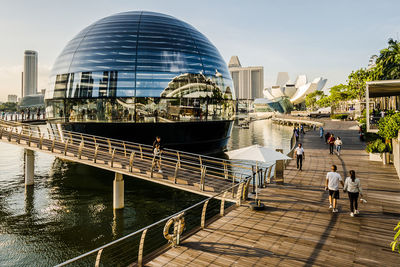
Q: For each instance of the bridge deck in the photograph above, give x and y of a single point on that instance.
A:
(135, 162)
(297, 228)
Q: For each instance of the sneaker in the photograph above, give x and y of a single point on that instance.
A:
(356, 212)
(330, 206)
(159, 171)
(335, 210)
(351, 214)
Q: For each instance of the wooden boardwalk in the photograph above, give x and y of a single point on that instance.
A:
(297, 228)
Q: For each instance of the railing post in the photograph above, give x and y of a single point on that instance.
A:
(141, 246)
(66, 147)
(239, 194)
(141, 151)
(131, 159)
(109, 146)
(9, 135)
(222, 208)
(70, 137)
(225, 170)
(96, 150)
(41, 141)
(203, 214)
(98, 258)
(1, 133)
(176, 172)
(53, 143)
(81, 145)
(179, 158)
(124, 148)
(152, 166)
(202, 177)
(201, 162)
(112, 158)
(29, 140)
(19, 136)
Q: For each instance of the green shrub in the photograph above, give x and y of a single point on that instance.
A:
(339, 116)
(389, 126)
(378, 146)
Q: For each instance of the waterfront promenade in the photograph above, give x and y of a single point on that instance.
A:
(297, 228)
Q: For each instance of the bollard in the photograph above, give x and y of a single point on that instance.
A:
(118, 191)
(29, 166)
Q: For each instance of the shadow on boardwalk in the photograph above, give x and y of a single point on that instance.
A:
(297, 228)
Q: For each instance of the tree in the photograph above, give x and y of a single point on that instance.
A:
(388, 63)
(312, 99)
(338, 93)
(356, 83)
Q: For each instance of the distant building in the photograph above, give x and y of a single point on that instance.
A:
(12, 98)
(247, 81)
(30, 74)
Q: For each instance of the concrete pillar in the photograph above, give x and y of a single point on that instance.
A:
(279, 168)
(29, 166)
(118, 192)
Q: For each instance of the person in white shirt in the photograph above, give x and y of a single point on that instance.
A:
(338, 144)
(353, 186)
(332, 184)
(299, 151)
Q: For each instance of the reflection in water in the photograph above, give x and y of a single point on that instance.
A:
(69, 209)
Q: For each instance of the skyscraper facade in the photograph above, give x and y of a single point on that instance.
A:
(30, 74)
(247, 81)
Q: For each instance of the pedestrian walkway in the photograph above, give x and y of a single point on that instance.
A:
(297, 228)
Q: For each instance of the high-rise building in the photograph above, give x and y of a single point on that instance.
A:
(12, 98)
(30, 74)
(247, 81)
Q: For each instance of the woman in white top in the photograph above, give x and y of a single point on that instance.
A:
(338, 144)
(353, 186)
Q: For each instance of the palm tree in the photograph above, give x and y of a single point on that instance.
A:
(388, 62)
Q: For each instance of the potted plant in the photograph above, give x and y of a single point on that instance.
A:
(377, 150)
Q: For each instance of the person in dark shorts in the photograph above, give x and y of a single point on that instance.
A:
(157, 150)
(332, 184)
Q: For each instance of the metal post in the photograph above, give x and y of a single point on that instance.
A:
(203, 215)
(29, 166)
(141, 246)
(118, 191)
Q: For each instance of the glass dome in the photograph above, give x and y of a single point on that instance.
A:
(135, 54)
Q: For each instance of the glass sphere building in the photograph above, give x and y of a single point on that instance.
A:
(135, 75)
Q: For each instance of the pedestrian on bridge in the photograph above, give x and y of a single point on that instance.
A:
(332, 184)
(300, 156)
(321, 132)
(157, 150)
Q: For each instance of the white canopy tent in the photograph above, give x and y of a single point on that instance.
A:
(257, 154)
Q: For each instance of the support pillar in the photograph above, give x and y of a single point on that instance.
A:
(118, 192)
(29, 166)
(279, 168)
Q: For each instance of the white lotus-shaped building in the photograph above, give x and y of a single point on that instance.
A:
(295, 91)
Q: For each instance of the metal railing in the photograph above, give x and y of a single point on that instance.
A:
(204, 172)
(136, 248)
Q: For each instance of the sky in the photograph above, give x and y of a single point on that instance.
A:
(316, 38)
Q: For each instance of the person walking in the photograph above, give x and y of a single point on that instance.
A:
(321, 132)
(157, 150)
(327, 135)
(300, 156)
(302, 129)
(331, 142)
(332, 184)
(353, 187)
(338, 144)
